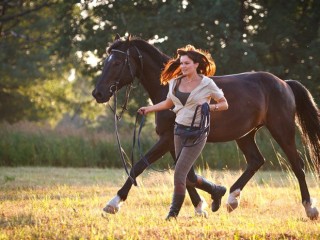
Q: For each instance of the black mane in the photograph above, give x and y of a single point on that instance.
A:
(142, 45)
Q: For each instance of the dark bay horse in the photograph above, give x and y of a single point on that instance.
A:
(255, 99)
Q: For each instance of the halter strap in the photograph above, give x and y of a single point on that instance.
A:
(128, 56)
(116, 50)
(114, 87)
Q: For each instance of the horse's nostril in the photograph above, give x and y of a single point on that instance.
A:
(96, 94)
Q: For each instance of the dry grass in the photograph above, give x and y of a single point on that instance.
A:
(66, 203)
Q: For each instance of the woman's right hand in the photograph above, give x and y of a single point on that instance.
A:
(143, 110)
(166, 104)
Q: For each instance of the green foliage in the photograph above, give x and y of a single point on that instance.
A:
(36, 56)
(24, 54)
(45, 43)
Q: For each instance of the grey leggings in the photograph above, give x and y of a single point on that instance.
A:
(187, 158)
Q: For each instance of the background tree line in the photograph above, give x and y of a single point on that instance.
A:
(45, 45)
(52, 51)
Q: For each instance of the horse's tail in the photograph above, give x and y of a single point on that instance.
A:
(308, 116)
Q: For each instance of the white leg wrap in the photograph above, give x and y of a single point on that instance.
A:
(200, 209)
(311, 210)
(113, 206)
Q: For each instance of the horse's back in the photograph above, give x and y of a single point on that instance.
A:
(253, 99)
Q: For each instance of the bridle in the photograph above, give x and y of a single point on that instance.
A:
(113, 90)
(114, 87)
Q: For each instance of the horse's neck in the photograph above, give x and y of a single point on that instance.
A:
(151, 82)
(156, 91)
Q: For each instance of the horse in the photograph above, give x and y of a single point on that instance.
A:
(255, 99)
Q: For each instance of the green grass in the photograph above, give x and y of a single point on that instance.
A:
(66, 203)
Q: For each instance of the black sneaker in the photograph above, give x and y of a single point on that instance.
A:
(217, 193)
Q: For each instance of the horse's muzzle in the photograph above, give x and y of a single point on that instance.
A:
(100, 97)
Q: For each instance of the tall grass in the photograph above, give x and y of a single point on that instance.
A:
(30, 144)
(27, 144)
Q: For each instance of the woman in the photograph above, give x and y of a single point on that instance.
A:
(189, 87)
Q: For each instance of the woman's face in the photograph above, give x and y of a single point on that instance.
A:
(188, 66)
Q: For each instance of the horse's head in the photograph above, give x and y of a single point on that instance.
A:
(122, 65)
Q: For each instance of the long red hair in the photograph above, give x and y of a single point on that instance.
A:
(172, 69)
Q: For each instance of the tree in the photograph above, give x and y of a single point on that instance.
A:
(42, 41)
(291, 30)
(36, 60)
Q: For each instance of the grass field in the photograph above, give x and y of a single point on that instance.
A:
(66, 203)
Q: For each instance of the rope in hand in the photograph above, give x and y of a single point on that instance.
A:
(204, 126)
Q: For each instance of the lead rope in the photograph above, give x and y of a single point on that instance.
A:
(121, 150)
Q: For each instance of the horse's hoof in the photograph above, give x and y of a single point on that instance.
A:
(113, 206)
(311, 211)
(111, 209)
(232, 206)
(200, 209)
(233, 200)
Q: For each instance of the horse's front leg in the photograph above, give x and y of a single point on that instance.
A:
(164, 144)
(157, 151)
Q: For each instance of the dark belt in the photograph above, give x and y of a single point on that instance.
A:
(187, 128)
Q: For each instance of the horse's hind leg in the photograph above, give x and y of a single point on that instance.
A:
(254, 161)
(285, 137)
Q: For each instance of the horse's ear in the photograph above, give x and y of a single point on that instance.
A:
(117, 37)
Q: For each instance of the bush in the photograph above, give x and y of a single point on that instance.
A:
(27, 144)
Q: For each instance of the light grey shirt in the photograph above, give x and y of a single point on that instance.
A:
(204, 92)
